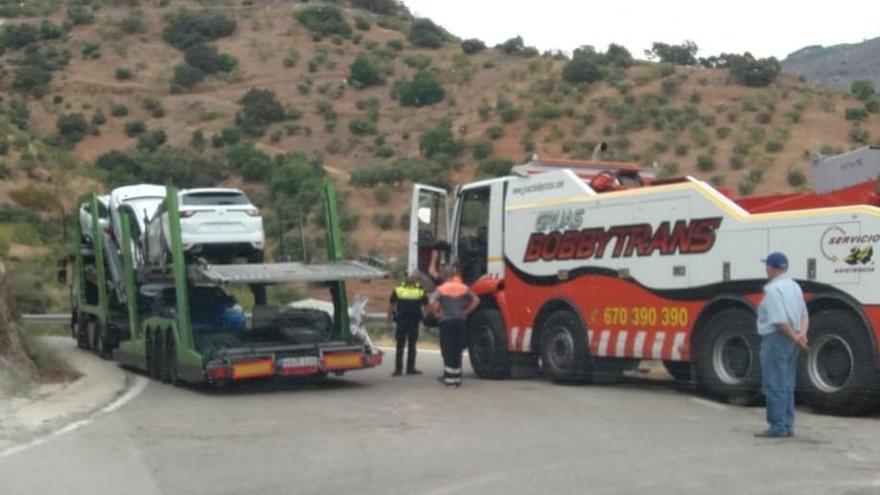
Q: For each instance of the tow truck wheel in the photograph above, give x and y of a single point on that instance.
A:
(564, 353)
(728, 360)
(487, 344)
(836, 375)
(169, 362)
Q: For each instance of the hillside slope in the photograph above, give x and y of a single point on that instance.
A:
(502, 104)
(838, 65)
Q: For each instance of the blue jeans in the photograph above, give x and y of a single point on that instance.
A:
(778, 378)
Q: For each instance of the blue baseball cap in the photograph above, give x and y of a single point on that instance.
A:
(776, 260)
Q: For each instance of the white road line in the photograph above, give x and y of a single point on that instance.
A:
(709, 404)
(140, 383)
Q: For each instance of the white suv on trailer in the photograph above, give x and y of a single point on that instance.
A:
(217, 224)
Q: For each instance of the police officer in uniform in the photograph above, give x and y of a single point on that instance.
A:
(405, 308)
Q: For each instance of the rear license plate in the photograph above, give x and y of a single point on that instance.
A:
(343, 361)
(253, 369)
(298, 362)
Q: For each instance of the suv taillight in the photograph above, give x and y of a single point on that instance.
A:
(187, 213)
(254, 212)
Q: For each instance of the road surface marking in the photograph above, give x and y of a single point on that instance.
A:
(709, 404)
(140, 383)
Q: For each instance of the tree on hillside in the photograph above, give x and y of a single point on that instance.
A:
(185, 28)
(382, 7)
(423, 33)
(259, 108)
(297, 181)
(472, 46)
(422, 90)
(863, 89)
(208, 59)
(585, 66)
(618, 56)
(438, 140)
(364, 72)
(755, 73)
(683, 54)
(325, 20)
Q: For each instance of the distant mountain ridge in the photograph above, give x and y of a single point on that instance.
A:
(837, 65)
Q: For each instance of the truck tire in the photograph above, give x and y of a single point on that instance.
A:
(102, 347)
(79, 332)
(154, 359)
(92, 334)
(728, 362)
(680, 371)
(487, 344)
(169, 359)
(565, 356)
(838, 374)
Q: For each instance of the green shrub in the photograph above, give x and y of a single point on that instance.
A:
(152, 140)
(259, 109)
(705, 163)
(872, 105)
(856, 113)
(773, 146)
(185, 28)
(494, 132)
(862, 89)
(737, 161)
(482, 149)
(751, 72)
(119, 110)
(325, 20)
(362, 23)
(510, 114)
(17, 36)
(154, 106)
(422, 90)
(418, 61)
(72, 127)
(384, 221)
(91, 50)
(79, 15)
(496, 167)
(859, 135)
(683, 54)
(185, 78)
(796, 178)
(230, 135)
(206, 58)
(361, 126)
(584, 67)
(423, 33)
(253, 164)
(382, 194)
(364, 72)
(124, 73)
(98, 118)
(546, 111)
(722, 132)
(439, 140)
(135, 128)
(472, 46)
(745, 187)
(133, 23)
(197, 140)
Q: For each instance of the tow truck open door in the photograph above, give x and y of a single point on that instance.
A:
(428, 224)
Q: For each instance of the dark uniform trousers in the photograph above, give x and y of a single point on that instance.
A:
(407, 335)
(451, 347)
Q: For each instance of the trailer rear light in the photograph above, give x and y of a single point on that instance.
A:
(187, 213)
(253, 369)
(254, 212)
(298, 366)
(374, 359)
(219, 372)
(343, 361)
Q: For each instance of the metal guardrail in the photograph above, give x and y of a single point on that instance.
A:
(35, 320)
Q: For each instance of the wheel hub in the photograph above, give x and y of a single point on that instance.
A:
(561, 349)
(830, 363)
(732, 359)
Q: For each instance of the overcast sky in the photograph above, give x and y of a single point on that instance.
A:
(764, 28)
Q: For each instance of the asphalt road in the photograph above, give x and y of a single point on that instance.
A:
(369, 433)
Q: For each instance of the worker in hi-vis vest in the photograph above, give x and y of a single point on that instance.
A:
(405, 308)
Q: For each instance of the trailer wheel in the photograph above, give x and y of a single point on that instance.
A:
(680, 371)
(79, 334)
(564, 353)
(728, 357)
(487, 344)
(91, 334)
(169, 359)
(838, 372)
(154, 360)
